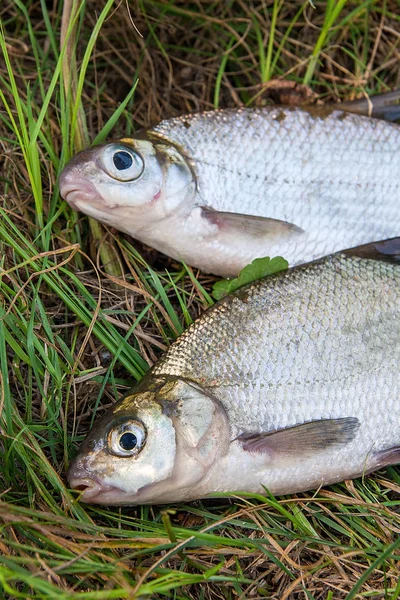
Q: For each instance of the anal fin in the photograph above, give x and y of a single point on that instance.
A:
(384, 458)
(386, 250)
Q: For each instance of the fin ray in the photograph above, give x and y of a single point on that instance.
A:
(304, 439)
(249, 224)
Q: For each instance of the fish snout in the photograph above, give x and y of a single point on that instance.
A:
(81, 480)
(74, 188)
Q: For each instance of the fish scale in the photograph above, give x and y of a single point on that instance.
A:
(295, 156)
(287, 316)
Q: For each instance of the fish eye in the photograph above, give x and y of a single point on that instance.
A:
(126, 438)
(122, 162)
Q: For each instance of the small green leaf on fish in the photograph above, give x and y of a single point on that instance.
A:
(260, 267)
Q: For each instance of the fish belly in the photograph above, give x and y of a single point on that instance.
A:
(374, 401)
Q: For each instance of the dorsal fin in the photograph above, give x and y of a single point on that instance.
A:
(388, 250)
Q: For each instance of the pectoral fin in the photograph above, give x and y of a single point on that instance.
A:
(249, 224)
(304, 439)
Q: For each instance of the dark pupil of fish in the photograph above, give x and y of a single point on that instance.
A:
(128, 441)
(122, 160)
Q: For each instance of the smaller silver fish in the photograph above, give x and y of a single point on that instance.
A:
(220, 188)
(291, 383)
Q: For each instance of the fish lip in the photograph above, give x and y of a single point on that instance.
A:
(75, 189)
(96, 492)
(79, 477)
(93, 491)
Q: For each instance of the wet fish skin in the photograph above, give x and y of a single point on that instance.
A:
(318, 180)
(291, 383)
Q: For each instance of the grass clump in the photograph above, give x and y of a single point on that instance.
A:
(85, 312)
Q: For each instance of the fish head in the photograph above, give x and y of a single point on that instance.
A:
(128, 183)
(153, 446)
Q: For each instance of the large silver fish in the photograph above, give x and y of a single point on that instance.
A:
(218, 189)
(291, 383)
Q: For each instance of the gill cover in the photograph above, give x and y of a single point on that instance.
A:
(201, 428)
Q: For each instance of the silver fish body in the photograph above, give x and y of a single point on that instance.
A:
(291, 383)
(218, 189)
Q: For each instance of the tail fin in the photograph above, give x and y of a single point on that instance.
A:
(383, 106)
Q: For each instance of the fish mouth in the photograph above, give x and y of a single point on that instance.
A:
(76, 190)
(93, 491)
(88, 486)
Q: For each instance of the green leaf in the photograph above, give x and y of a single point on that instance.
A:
(260, 267)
